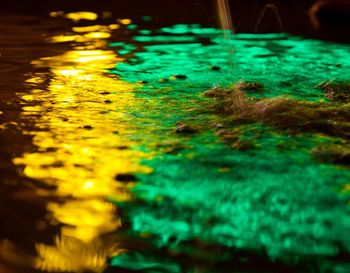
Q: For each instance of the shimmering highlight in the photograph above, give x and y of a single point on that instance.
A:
(81, 128)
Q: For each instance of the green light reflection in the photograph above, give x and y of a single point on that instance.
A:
(274, 197)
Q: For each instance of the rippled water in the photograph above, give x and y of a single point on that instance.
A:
(112, 159)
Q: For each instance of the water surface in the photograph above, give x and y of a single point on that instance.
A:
(113, 159)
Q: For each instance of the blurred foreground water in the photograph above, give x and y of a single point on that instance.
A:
(112, 160)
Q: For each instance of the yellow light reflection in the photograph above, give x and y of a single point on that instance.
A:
(114, 26)
(85, 35)
(97, 35)
(56, 13)
(81, 222)
(125, 21)
(72, 255)
(78, 139)
(82, 15)
(68, 72)
(89, 28)
(89, 185)
(64, 39)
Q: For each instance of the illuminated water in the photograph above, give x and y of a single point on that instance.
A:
(112, 162)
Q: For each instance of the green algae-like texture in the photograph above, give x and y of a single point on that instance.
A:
(274, 198)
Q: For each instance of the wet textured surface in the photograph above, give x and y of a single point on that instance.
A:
(113, 159)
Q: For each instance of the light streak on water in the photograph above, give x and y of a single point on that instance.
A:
(82, 143)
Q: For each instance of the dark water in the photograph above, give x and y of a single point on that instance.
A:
(113, 161)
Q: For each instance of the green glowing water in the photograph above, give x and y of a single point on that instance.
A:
(275, 198)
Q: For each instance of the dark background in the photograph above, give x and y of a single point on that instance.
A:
(329, 19)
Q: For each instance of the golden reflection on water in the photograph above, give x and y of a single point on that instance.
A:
(125, 21)
(82, 15)
(82, 128)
